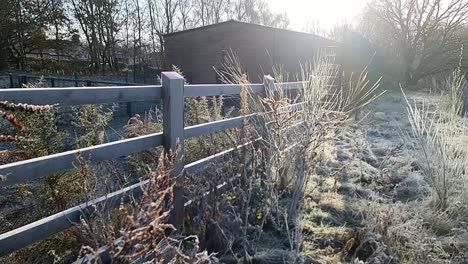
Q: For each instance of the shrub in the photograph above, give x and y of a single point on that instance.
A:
(33, 131)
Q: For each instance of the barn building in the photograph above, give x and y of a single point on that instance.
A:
(197, 51)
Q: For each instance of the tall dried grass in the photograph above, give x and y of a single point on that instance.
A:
(432, 230)
(441, 134)
(287, 155)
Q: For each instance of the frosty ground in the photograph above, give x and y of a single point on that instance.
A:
(369, 172)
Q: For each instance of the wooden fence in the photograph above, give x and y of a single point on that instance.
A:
(172, 91)
(23, 79)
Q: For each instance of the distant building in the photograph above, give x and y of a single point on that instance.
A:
(69, 53)
(47, 54)
(197, 51)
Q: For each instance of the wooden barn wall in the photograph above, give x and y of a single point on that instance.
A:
(196, 52)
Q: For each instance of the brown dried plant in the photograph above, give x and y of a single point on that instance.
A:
(145, 232)
(15, 122)
(147, 225)
(9, 108)
(138, 126)
(12, 139)
(12, 107)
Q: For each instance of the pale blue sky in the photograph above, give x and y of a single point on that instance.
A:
(326, 12)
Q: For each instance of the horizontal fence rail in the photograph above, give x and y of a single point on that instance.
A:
(220, 89)
(172, 92)
(32, 169)
(103, 253)
(36, 231)
(216, 126)
(81, 95)
(119, 94)
(24, 79)
(58, 222)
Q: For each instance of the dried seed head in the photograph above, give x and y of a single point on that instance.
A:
(12, 107)
(13, 120)
(12, 139)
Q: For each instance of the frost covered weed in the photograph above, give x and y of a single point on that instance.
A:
(441, 135)
(432, 229)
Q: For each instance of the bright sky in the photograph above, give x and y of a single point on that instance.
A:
(327, 13)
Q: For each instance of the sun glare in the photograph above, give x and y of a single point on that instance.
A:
(325, 13)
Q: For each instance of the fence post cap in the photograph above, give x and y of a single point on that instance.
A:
(269, 85)
(172, 75)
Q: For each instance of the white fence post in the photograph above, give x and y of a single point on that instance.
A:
(269, 83)
(268, 92)
(173, 134)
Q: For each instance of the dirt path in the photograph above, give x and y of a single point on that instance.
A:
(366, 161)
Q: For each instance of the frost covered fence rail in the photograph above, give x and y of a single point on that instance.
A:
(172, 92)
(23, 79)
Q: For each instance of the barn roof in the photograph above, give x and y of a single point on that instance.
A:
(247, 25)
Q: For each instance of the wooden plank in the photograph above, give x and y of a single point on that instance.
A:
(291, 85)
(103, 252)
(82, 95)
(35, 168)
(194, 167)
(216, 126)
(31, 169)
(202, 164)
(195, 90)
(220, 189)
(134, 190)
(173, 132)
(36, 231)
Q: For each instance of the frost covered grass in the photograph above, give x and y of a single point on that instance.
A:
(431, 228)
(442, 136)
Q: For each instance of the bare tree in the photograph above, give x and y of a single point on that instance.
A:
(99, 22)
(112, 27)
(211, 11)
(164, 19)
(268, 18)
(257, 12)
(242, 9)
(187, 16)
(217, 10)
(201, 10)
(426, 33)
